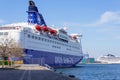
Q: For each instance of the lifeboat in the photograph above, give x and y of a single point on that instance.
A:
(52, 31)
(74, 37)
(45, 28)
(37, 27)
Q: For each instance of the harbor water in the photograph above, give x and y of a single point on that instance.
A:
(93, 71)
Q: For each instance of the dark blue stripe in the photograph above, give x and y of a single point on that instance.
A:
(49, 58)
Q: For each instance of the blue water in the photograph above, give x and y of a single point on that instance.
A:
(94, 71)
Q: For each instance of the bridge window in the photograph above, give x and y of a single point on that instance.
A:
(1, 33)
(5, 33)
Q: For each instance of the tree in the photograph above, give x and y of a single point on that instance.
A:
(10, 48)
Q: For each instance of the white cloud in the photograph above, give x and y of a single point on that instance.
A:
(107, 17)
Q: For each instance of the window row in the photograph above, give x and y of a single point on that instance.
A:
(51, 41)
(3, 33)
(58, 47)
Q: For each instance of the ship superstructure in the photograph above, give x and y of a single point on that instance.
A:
(110, 59)
(43, 44)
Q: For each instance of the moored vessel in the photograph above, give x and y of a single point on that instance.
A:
(42, 44)
(109, 59)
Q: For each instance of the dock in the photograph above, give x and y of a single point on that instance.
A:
(31, 72)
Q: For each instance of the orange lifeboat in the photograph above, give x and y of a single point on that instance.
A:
(52, 31)
(37, 27)
(45, 28)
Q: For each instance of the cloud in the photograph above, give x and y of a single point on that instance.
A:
(107, 17)
(110, 17)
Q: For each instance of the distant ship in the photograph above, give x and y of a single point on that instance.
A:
(110, 59)
(43, 44)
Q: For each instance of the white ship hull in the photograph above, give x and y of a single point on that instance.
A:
(109, 59)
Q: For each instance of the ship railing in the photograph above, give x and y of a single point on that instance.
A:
(49, 67)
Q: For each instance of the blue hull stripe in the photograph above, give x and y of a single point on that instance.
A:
(50, 58)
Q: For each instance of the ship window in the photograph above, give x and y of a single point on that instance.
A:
(42, 39)
(1, 33)
(33, 37)
(39, 38)
(6, 33)
(47, 40)
(28, 35)
(7, 28)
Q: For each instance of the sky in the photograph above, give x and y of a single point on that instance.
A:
(97, 20)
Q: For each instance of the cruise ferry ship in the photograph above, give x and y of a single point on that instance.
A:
(42, 44)
(109, 59)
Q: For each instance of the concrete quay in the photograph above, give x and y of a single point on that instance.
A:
(31, 72)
